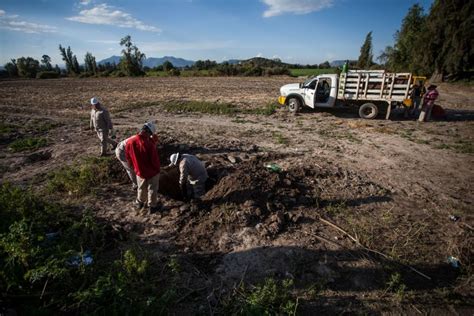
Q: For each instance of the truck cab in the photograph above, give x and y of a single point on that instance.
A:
(320, 91)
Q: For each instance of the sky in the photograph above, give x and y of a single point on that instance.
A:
(295, 31)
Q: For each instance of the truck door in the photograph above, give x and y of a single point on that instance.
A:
(325, 95)
(309, 93)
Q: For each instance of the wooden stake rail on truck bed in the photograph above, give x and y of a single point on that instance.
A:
(374, 85)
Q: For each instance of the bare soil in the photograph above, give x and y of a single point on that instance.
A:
(389, 184)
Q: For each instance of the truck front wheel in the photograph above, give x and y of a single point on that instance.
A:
(294, 105)
(368, 111)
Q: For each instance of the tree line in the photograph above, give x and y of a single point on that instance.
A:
(437, 43)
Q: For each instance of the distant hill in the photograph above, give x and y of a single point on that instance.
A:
(111, 60)
(264, 62)
(152, 61)
(177, 62)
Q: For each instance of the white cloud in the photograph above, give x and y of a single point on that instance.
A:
(279, 7)
(84, 2)
(259, 55)
(11, 22)
(107, 15)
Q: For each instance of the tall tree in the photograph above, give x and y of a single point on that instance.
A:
(449, 34)
(366, 57)
(132, 59)
(27, 67)
(46, 61)
(72, 66)
(76, 67)
(90, 64)
(408, 52)
(11, 68)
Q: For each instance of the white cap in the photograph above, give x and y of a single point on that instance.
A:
(151, 126)
(94, 101)
(174, 158)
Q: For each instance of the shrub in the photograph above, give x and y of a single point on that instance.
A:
(271, 297)
(47, 75)
(84, 177)
(174, 72)
(23, 144)
(42, 250)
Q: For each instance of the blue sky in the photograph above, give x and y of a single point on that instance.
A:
(296, 31)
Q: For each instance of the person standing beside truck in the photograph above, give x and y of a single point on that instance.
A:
(102, 124)
(416, 95)
(428, 103)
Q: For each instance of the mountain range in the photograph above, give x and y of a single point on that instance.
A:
(152, 61)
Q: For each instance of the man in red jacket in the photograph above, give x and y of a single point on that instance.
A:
(142, 156)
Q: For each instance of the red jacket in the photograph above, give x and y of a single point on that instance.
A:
(142, 156)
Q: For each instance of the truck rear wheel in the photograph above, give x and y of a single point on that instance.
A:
(368, 111)
(294, 105)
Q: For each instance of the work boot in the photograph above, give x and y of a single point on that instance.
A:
(138, 205)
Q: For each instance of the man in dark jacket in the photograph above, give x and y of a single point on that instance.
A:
(142, 155)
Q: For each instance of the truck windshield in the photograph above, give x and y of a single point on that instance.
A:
(307, 82)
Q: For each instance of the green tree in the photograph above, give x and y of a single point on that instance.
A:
(408, 52)
(90, 64)
(325, 65)
(72, 66)
(167, 65)
(366, 57)
(132, 59)
(448, 41)
(46, 61)
(27, 67)
(11, 68)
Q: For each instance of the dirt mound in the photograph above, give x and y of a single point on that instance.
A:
(250, 201)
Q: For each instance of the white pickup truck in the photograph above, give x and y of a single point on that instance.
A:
(370, 90)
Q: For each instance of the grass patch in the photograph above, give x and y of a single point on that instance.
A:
(311, 72)
(31, 143)
(85, 177)
(460, 146)
(7, 128)
(335, 209)
(202, 107)
(214, 108)
(279, 138)
(395, 284)
(41, 126)
(272, 297)
(335, 133)
(269, 109)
